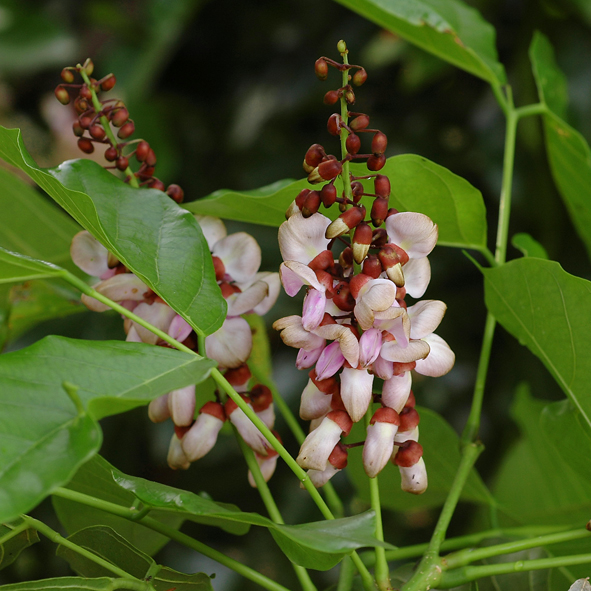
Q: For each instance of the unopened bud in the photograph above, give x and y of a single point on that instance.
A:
(67, 75)
(88, 67)
(311, 204)
(111, 154)
(346, 258)
(349, 96)
(380, 237)
(357, 191)
(359, 77)
(122, 163)
(382, 186)
(360, 122)
(328, 195)
(156, 184)
(85, 121)
(376, 162)
(175, 193)
(80, 104)
(353, 143)
(343, 298)
(314, 156)
(334, 124)
(357, 282)
(85, 92)
(409, 453)
(301, 198)
(338, 456)
(372, 266)
(341, 47)
(331, 97)
(126, 130)
(329, 169)
(62, 95)
(345, 222)
(141, 152)
(321, 69)
(379, 211)
(379, 143)
(86, 145)
(97, 132)
(108, 83)
(77, 129)
(361, 241)
(151, 158)
(409, 419)
(119, 116)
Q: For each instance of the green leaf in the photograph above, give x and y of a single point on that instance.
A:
(547, 310)
(568, 151)
(568, 433)
(95, 478)
(157, 240)
(448, 29)
(11, 548)
(43, 439)
(419, 185)
(318, 545)
(70, 583)
(15, 267)
(528, 246)
(534, 485)
(442, 457)
(111, 546)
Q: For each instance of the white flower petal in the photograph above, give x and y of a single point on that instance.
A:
(414, 351)
(417, 274)
(425, 316)
(158, 409)
(176, 456)
(314, 403)
(440, 359)
(241, 255)
(89, 254)
(213, 229)
(201, 437)
(231, 344)
(414, 479)
(318, 445)
(356, 391)
(302, 239)
(274, 287)
(181, 404)
(396, 391)
(378, 447)
(158, 315)
(413, 232)
(243, 302)
(347, 340)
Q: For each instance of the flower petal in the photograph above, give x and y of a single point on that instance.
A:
(181, 404)
(413, 232)
(176, 456)
(295, 274)
(89, 254)
(330, 361)
(396, 391)
(378, 447)
(414, 479)
(347, 340)
(294, 335)
(274, 287)
(231, 344)
(440, 359)
(425, 316)
(319, 444)
(302, 239)
(313, 309)
(243, 302)
(414, 351)
(356, 391)
(158, 315)
(314, 403)
(213, 229)
(241, 255)
(417, 274)
(201, 437)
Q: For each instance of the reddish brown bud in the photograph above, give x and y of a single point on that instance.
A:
(372, 266)
(353, 143)
(334, 124)
(77, 129)
(385, 415)
(81, 105)
(62, 95)
(392, 211)
(338, 456)
(327, 386)
(301, 198)
(226, 288)
(108, 82)
(67, 75)
(180, 431)
(321, 69)
(361, 241)
(86, 145)
(261, 397)
(238, 376)
(314, 155)
(360, 122)
(145, 172)
(331, 97)
(342, 419)
(311, 204)
(322, 261)
(411, 400)
(349, 96)
(88, 66)
(122, 163)
(329, 169)
(141, 152)
(395, 253)
(328, 195)
(175, 193)
(126, 130)
(97, 132)
(85, 93)
(111, 154)
(357, 282)
(409, 419)
(359, 77)
(85, 121)
(343, 298)
(380, 237)
(345, 222)
(215, 409)
(379, 143)
(376, 162)
(357, 191)
(379, 211)
(409, 453)
(346, 258)
(382, 185)
(156, 184)
(119, 116)
(151, 158)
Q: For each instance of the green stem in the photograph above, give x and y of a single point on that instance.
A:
(271, 506)
(498, 92)
(466, 574)
(72, 392)
(15, 531)
(467, 556)
(56, 538)
(528, 110)
(346, 574)
(106, 123)
(382, 571)
(171, 533)
(344, 133)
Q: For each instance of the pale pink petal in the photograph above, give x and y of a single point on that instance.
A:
(314, 403)
(89, 254)
(396, 391)
(413, 232)
(176, 456)
(414, 351)
(295, 274)
(370, 344)
(93, 304)
(302, 239)
(179, 328)
(382, 368)
(356, 391)
(125, 286)
(417, 274)
(267, 416)
(378, 447)
(201, 437)
(267, 466)
(294, 335)
(243, 302)
(378, 294)
(425, 316)
(347, 340)
(274, 287)
(133, 336)
(213, 229)
(313, 309)
(330, 361)
(306, 359)
(318, 445)
(440, 359)
(251, 435)
(158, 409)
(158, 315)
(241, 255)
(320, 477)
(231, 344)
(181, 404)
(414, 479)
(402, 436)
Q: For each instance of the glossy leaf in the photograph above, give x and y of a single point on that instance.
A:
(568, 151)
(69, 583)
(15, 267)
(442, 458)
(547, 310)
(164, 245)
(11, 548)
(449, 29)
(318, 545)
(534, 485)
(111, 546)
(43, 439)
(528, 246)
(419, 185)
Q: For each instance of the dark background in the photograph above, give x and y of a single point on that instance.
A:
(226, 94)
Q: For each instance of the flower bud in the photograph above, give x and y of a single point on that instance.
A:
(343, 298)
(379, 443)
(359, 77)
(141, 152)
(321, 69)
(314, 156)
(328, 195)
(334, 124)
(119, 116)
(251, 435)
(126, 130)
(409, 453)
(151, 158)
(341, 47)
(380, 237)
(331, 97)
(88, 67)
(361, 241)
(122, 163)
(353, 143)
(360, 122)
(202, 435)
(85, 92)
(176, 456)
(62, 95)
(337, 461)
(372, 266)
(97, 132)
(77, 129)
(379, 143)
(86, 145)
(379, 211)
(376, 162)
(67, 75)
(409, 419)
(357, 191)
(346, 258)
(80, 104)
(108, 82)
(311, 204)
(382, 186)
(345, 222)
(414, 478)
(349, 96)
(155, 183)
(111, 154)
(175, 193)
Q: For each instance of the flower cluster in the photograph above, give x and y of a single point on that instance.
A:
(355, 324)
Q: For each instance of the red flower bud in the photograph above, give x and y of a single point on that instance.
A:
(85, 93)
(261, 397)
(345, 222)
(86, 145)
(151, 158)
(346, 258)
(322, 261)
(126, 130)
(77, 129)
(357, 282)
(382, 185)
(376, 162)
(385, 415)
(409, 419)
(301, 198)
(343, 298)
(357, 191)
(141, 152)
(379, 211)
(97, 132)
(359, 77)
(111, 154)
(409, 453)
(85, 121)
(156, 184)
(119, 116)
(314, 155)
(331, 97)
(349, 96)
(62, 95)
(372, 266)
(361, 241)
(360, 122)
(334, 124)
(67, 76)
(329, 169)
(108, 82)
(379, 143)
(321, 69)
(328, 195)
(80, 104)
(353, 143)
(311, 204)
(122, 163)
(380, 237)
(175, 193)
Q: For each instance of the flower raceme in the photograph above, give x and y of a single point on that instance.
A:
(236, 258)
(355, 324)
